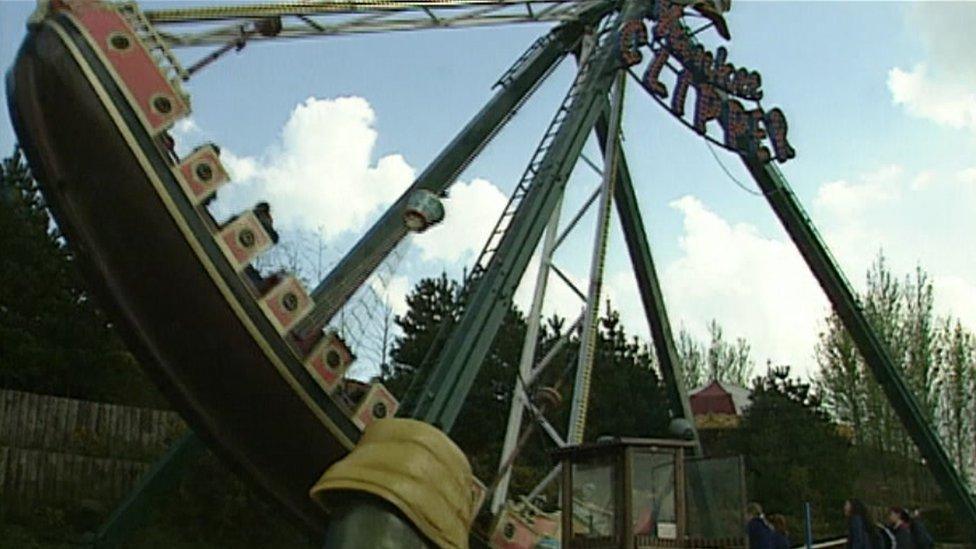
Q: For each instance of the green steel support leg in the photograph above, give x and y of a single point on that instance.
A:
(462, 356)
(156, 484)
(333, 291)
(649, 286)
(845, 303)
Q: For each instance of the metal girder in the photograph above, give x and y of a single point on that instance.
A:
(520, 397)
(316, 19)
(845, 302)
(648, 285)
(346, 277)
(156, 484)
(461, 358)
(588, 338)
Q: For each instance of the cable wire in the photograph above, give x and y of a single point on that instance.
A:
(729, 174)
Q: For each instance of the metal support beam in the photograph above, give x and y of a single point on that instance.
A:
(588, 338)
(554, 351)
(451, 379)
(343, 281)
(213, 25)
(841, 295)
(159, 481)
(519, 397)
(648, 285)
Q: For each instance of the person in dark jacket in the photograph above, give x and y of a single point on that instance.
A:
(901, 526)
(780, 535)
(758, 530)
(858, 525)
(923, 539)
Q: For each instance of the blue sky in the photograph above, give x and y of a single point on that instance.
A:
(878, 96)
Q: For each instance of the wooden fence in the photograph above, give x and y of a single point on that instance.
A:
(56, 449)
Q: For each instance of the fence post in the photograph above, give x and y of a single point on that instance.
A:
(808, 526)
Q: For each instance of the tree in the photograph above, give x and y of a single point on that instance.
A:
(626, 395)
(936, 357)
(53, 338)
(921, 364)
(692, 356)
(793, 450)
(720, 360)
(847, 383)
(842, 378)
(432, 302)
(957, 356)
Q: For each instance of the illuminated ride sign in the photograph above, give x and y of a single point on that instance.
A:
(719, 86)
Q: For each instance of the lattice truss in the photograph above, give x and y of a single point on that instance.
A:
(222, 23)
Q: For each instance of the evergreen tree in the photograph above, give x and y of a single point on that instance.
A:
(53, 338)
(794, 453)
(626, 395)
(432, 302)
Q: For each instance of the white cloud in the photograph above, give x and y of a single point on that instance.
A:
(319, 175)
(967, 176)
(940, 88)
(757, 287)
(923, 180)
(957, 296)
(393, 291)
(471, 211)
(942, 98)
(184, 128)
(843, 198)
(914, 217)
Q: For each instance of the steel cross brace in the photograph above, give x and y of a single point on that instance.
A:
(649, 287)
(340, 284)
(159, 481)
(838, 290)
(463, 354)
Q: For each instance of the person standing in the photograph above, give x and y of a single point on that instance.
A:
(780, 538)
(920, 534)
(858, 524)
(758, 530)
(901, 526)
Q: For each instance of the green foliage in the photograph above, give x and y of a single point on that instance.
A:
(793, 451)
(212, 507)
(53, 339)
(432, 302)
(209, 508)
(720, 359)
(937, 357)
(627, 397)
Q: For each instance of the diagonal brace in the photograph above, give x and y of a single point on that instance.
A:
(464, 352)
(648, 284)
(355, 267)
(838, 290)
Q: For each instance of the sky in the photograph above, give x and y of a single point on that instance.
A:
(879, 97)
